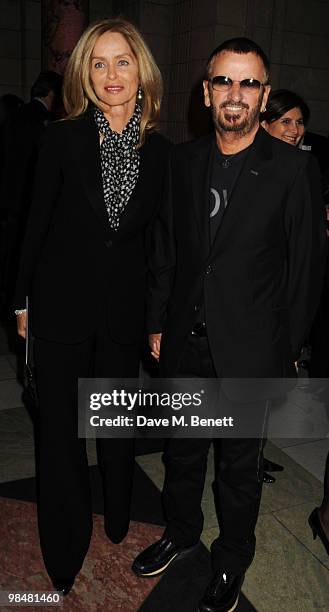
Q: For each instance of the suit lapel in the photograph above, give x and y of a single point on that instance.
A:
(200, 169)
(86, 152)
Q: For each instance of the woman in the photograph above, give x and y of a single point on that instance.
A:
(286, 116)
(83, 267)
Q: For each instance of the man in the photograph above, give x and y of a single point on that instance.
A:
(317, 363)
(319, 146)
(236, 247)
(23, 133)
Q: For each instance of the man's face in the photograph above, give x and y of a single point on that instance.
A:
(236, 109)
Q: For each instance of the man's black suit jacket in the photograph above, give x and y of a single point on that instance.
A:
(261, 278)
(319, 146)
(72, 263)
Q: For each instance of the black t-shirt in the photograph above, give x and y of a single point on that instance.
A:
(224, 173)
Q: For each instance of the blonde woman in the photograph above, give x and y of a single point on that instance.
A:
(84, 265)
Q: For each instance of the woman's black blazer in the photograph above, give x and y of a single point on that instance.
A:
(72, 263)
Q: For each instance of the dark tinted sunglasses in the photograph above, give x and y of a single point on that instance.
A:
(224, 83)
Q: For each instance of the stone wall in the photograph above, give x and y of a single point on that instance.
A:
(294, 34)
(99, 9)
(181, 34)
(20, 45)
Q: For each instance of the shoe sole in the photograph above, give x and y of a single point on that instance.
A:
(235, 605)
(161, 570)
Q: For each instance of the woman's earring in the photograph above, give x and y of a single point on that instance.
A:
(139, 94)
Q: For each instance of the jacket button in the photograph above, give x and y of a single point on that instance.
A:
(196, 308)
(108, 243)
(209, 269)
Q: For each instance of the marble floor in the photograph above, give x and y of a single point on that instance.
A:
(290, 570)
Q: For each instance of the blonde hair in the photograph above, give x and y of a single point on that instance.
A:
(78, 91)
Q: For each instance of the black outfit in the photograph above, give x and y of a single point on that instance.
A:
(257, 283)
(23, 136)
(319, 335)
(27, 126)
(225, 171)
(86, 285)
(318, 339)
(238, 479)
(319, 147)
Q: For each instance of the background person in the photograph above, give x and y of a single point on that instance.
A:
(24, 130)
(9, 105)
(84, 265)
(286, 116)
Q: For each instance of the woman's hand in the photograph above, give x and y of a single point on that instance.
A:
(21, 324)
(155, 342)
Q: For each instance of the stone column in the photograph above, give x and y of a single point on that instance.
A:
(63, 22)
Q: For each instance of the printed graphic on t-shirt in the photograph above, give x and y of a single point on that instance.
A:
(218, 202)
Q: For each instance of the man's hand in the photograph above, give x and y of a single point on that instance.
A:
(154, 342)
(21, 324)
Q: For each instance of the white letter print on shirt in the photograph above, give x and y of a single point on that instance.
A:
(216, 195)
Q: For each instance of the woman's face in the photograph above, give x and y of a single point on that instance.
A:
(290, 127)
(114, 72)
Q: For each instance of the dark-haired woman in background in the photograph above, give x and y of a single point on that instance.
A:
(84, 267)
(286, 116)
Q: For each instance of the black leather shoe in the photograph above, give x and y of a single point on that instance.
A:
(222, 593)
(115, 533)
(317, 529)
(63, 585)
(270, 466)
(156, 558)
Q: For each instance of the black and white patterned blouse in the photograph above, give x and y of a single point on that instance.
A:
(120, 163)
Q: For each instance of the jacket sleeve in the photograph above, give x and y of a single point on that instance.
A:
(307, 244)
(162, 260)
(47, 183)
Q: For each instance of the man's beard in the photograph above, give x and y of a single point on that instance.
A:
(241, 128)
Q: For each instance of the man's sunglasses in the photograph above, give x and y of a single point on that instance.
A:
(224, 83)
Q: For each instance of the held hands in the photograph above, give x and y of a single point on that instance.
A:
(154, 343)
(21, 324)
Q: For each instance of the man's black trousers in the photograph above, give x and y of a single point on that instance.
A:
(237, 485)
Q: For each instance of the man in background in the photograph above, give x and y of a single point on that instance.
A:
(23, 131)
